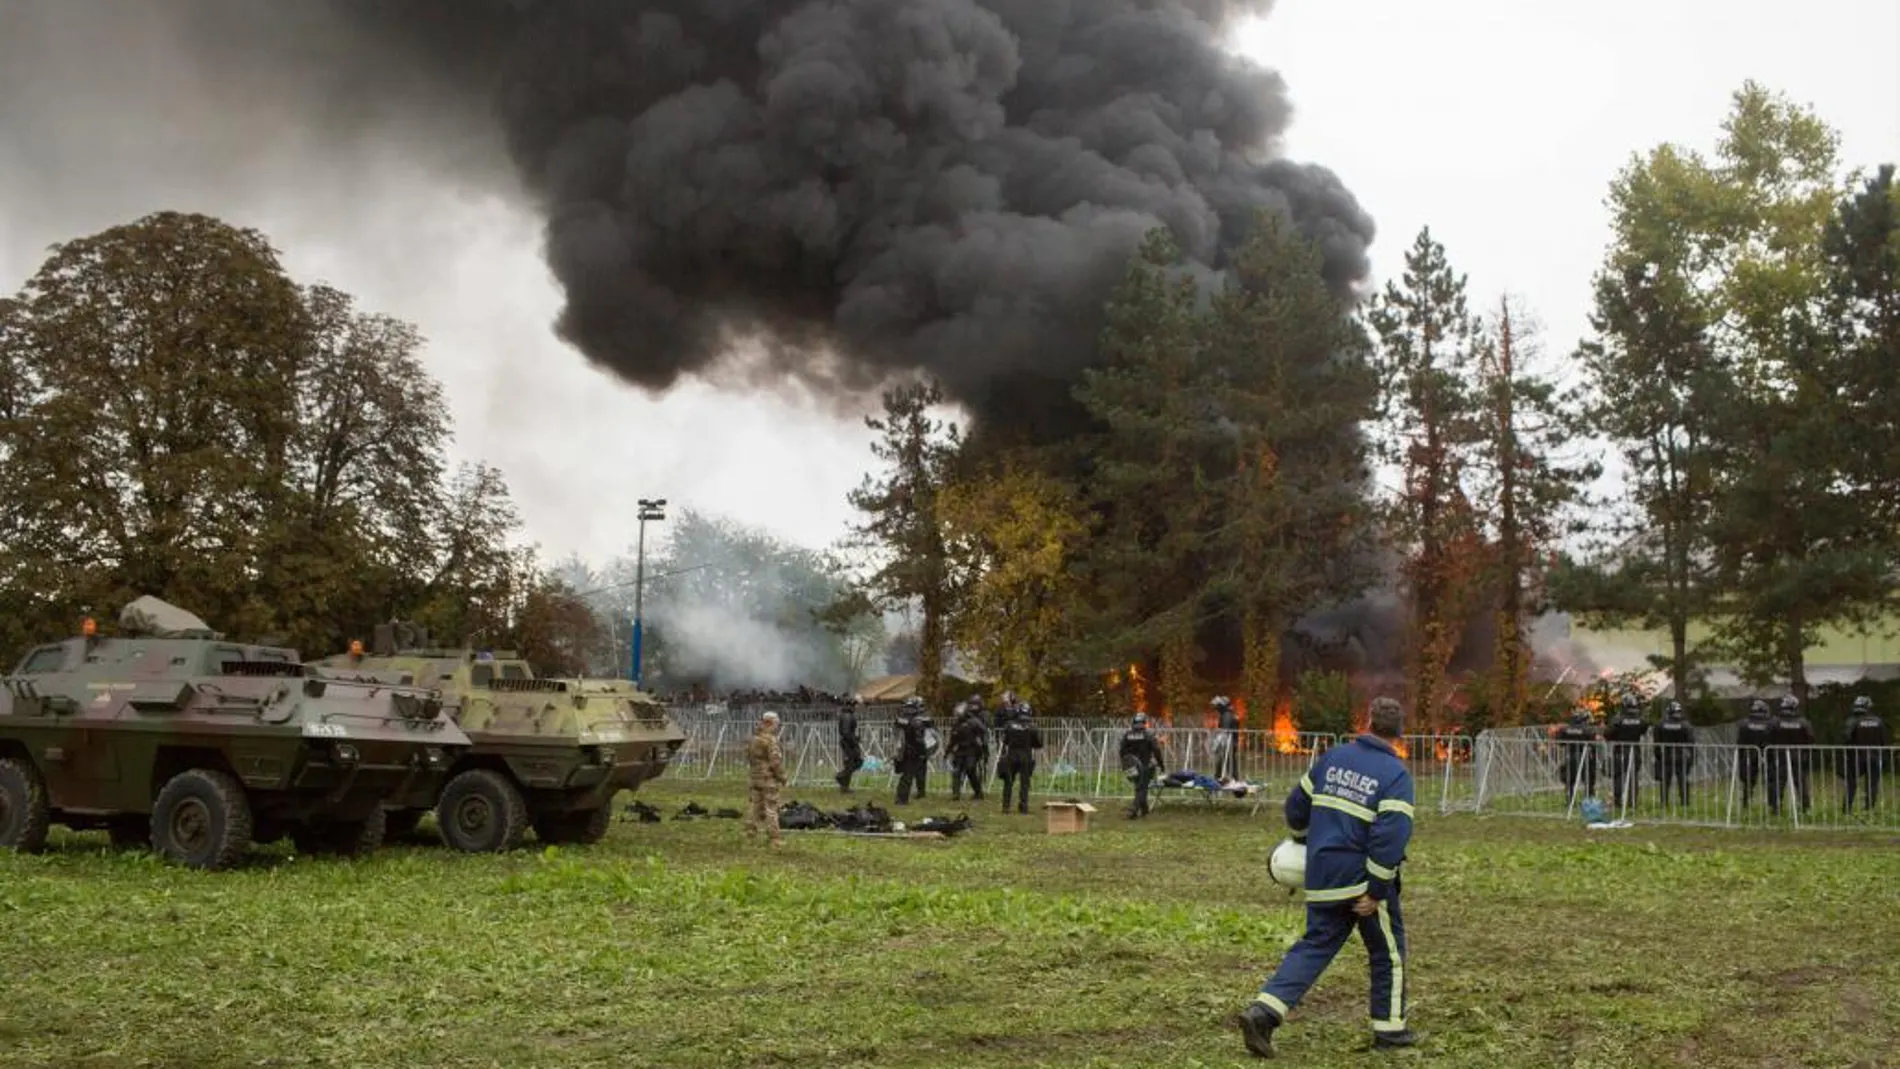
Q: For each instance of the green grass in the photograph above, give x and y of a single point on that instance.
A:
(676, 944)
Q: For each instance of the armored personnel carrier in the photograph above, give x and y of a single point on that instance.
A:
(548, 753)
(168, 734)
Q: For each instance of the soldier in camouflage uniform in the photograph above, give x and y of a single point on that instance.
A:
(766, 764)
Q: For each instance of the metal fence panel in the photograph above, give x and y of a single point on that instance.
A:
(1708, 783)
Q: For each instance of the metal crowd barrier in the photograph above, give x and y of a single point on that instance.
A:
(1708, 784)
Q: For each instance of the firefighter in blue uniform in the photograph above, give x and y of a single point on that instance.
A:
(1353, 809)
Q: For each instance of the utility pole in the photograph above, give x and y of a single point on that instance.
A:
(649, 510)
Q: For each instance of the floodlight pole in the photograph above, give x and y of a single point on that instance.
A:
(649, 510)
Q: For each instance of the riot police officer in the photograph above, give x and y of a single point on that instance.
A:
(1791, 729)
(850, 750)
(1868, 733)
(1578, 739)
(1228, 767)
(917, 735)
(1625, 735)
(1675, 753)
(969, 752)
(1140, 760)
(1021, 739)
(1751, 740)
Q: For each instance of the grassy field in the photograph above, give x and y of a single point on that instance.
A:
(1535, 943)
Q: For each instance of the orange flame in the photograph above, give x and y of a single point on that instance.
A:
(1399, 747)
(1286, 737)
(1138, 688)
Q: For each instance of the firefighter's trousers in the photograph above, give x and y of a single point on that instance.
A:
(1328, 924)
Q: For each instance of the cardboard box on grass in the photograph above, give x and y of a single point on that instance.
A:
(1067, 818)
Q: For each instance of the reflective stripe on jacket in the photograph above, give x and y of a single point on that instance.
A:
(1353, 809)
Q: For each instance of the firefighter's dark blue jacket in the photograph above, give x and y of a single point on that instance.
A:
(1353, 810)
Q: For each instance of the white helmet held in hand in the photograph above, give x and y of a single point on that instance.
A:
(1286, 866)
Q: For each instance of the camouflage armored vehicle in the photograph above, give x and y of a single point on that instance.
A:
(548, 753)
(168, 734)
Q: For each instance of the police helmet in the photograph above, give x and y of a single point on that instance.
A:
(1673, 709)
(1141, 720)
(913, 702)
(1220, 702)
(1789, 704)
(1579, 715)
(1023, 709)
(1863, 704)
(1758, 706)
(1631, 703)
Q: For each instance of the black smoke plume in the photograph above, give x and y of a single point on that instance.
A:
(837, 191)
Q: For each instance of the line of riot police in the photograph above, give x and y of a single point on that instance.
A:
(919, 742)
(1772, 752)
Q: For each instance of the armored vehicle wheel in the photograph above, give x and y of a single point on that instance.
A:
(132, 831)
(25, 815)
(348, 838)
(481, 812)
(202, 820)
(586, 826)
(402, 823)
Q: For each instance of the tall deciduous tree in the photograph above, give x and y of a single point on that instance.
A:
(1794, 549)
(1531, 475)
(1014, 534)
(157, 361)
(1653, 382)
(903, 523)
(1427, 343)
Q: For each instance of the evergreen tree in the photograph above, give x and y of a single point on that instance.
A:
(1861, 251)
(1151, 466)
(1290, 381)
(1427, 344)
(1230, 472)
(902, 521)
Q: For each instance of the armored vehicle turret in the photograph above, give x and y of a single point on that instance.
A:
(167, 733)
(547, 753)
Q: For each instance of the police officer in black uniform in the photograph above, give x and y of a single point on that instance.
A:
(1750, 739)
(969, 752)
(1869, 733)
(1021, 739)
(1578, 739)
(850, 750)
(1229, 766)
(1140, 760)
(1791, 729)
(1626, 731)
(914, 730)
(1675, 754)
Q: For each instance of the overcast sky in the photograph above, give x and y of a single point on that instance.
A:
(1498, 123)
